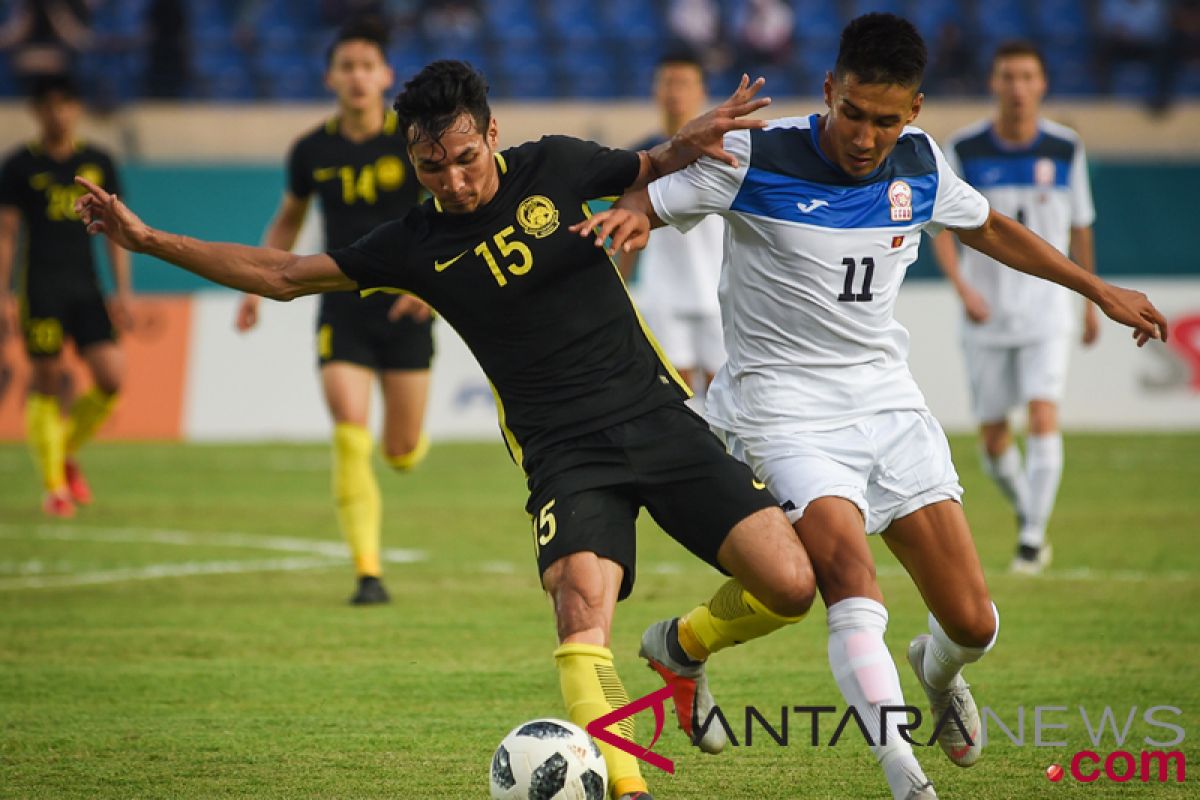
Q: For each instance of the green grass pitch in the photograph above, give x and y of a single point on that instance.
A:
(187, 636)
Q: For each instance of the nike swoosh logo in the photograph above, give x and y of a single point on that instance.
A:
(441, 265)
(811, 207)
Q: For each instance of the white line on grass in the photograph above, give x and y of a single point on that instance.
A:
(155, 571)
(229, 539)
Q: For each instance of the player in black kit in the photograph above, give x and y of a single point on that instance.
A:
(587, 407)
(58, 289)
(357, 165)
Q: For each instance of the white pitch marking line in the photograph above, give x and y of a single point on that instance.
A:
(156, 571)
(201, 539)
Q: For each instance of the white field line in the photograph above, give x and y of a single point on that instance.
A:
(317, 554)
(155, 571)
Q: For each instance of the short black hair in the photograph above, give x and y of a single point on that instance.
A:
(437, 96)
(43, 86)
(363, 29)
(1019, 47)
(882, 48)
(680, 54)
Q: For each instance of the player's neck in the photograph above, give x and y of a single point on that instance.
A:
(58, 146)
(358, 125)
(1017, 130)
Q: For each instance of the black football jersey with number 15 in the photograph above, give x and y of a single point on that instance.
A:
(544, 311)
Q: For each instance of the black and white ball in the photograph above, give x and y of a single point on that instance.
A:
(548, 759)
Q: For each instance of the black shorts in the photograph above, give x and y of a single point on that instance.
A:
(357, 330)
(585, 494)
(49, 314)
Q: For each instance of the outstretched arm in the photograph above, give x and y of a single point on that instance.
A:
(276, 274)
(1011, 243)
(281, 234)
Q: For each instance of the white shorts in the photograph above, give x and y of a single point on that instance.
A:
(1004, 377)
(690, 341)
(889, 464)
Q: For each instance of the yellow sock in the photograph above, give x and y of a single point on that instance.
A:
(732, 616)
(412, 458)
(87, 415)
(44, 431)
(357, 494)
(591, 689)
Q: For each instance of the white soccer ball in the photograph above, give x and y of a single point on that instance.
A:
(548, 759)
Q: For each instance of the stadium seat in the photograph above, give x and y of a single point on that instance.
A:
(816, 19)
(1133, 81)
(586, 74)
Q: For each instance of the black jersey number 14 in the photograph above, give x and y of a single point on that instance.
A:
(848, 294)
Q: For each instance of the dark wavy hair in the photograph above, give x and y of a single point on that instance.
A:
(437, 96)
(363, 29)
(882, 48)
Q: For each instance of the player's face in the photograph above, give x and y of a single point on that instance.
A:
(679, 90)
(358, 74)
(57, 114)
(1019, 85)
(459, 169)
(865, 120)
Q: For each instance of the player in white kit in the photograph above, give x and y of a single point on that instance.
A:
(677, 273)
(1017, 330)
(824, 215)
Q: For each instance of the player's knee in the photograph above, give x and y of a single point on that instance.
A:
(793, 598)
(976, 627)
(405, 454)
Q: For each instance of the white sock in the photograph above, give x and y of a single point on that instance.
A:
(944, 658)
(1043, 471)
(866, 674)
(1005, 470)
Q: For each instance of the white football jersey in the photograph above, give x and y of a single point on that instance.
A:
(1045, 187)
(678, 273)
(814, 259)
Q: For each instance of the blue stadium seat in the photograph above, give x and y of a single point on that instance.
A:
(524, 74)
(587, 74)
(1133, 81)
(635, 22)
(1060, 19)
(931, 15)
(816, 19)
(998, 20)
(855, 8)
(1189, 80)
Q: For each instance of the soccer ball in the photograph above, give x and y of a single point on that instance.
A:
(548, 759)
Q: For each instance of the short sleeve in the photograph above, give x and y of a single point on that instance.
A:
(10, 184)
(377, 259)
(1083, 212)
(299, 176)
(958, 204)
(594, 170)
(707, 186)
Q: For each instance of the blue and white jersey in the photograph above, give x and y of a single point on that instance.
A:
(1044, 186)
(814, 259)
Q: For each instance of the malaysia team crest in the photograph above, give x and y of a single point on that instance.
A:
(538, 216)
(1044, 172)
(900, 198)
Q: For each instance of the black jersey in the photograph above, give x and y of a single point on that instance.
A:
(544, 311)
(58, 248)
(361, 185)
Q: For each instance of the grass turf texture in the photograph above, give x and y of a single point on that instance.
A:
(267, 685)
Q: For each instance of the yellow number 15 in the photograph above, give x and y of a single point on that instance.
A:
(506, 248)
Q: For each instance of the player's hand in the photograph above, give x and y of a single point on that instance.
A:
(1134, 309)
(629, 229)
(120, 306)
(974, 304)
(407, 305)
(104, 213)
(706, 133)
(247, 313)
(1091, 324)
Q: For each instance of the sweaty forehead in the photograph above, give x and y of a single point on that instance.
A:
(875, 99)
(453, 144)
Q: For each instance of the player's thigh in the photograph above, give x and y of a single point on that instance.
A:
(765, 554)
(913, 468)
(106, 363)
(1042, 374)
(834, 535)
(347, 390)
(991, 380)
(405, 393)
(934, 544)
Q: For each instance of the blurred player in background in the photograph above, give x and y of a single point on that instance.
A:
(588, 407)
(825, 215)
(59, 290)
(356, 163)
(678, 274)
(1017, 329)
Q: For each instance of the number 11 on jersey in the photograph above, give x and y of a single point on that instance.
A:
(848, 295)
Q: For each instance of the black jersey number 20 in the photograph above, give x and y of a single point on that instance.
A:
(848, 294)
